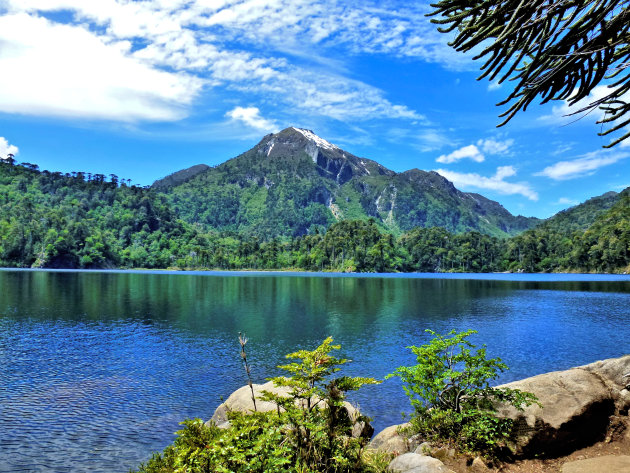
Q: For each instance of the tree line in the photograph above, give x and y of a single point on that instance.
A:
(54, 220)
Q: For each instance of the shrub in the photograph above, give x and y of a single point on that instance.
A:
(452, 398)
(320, 428)
(309, 432)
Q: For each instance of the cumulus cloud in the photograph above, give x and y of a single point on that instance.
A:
(562, 114)
(52, 69)
(132, 61)
(491, 146)
(495, 183)
(584, 166)
(467, 152)
(252, 118)
(476, 152)
(6, 148)
(494, 86)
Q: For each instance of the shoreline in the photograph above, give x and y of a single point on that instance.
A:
(292, 272)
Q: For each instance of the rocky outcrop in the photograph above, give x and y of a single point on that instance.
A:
(241, 401)
(391, 440)
(577, 405)
(415, 463)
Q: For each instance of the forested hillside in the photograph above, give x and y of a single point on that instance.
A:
(79, 220)
(82, 220)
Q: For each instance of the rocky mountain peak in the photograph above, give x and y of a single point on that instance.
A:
(332, 161)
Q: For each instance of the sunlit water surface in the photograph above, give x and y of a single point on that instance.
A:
(98, 368)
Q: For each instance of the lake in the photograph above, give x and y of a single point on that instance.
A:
(98, 368)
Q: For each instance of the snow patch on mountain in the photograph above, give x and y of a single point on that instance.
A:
(309, 135)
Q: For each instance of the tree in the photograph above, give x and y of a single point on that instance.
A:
(555, 49)
(453, 401)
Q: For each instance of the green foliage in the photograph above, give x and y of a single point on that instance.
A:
(320, 428)
(551, 49)
(253, 443)
(452, 398)
(51, 220)
(310, 432)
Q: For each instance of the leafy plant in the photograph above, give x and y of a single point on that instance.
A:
(320, 424)
(311, 431)
(452, 398)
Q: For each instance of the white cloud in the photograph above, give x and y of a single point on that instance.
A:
(466, 152)
(566, 201)
(584, 166)
(491, 146)
(149, 60)
(494, 86)
(476, 151)
(251, 117)
(495, 183)
(6, 148)
(60, 70)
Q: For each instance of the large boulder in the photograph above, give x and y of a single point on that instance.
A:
(576, 407)
(391, 440)
(241, 401)
(415, 463)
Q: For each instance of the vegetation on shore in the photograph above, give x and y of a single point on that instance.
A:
(312, 431)
(51, 220)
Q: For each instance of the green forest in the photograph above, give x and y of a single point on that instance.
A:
(82, 220)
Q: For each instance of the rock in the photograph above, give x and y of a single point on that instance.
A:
(576, 406)
(241, 401)
(607, 464)
(414, 463)
(390, 440)
(423, 449)
(442, 453)
(479, 466)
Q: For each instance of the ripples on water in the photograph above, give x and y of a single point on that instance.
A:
(97, 369)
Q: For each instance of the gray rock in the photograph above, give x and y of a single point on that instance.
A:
(414, 463)
(576, 406)
(241, 401)
(607, 464)
(390, 440)
(423, 449)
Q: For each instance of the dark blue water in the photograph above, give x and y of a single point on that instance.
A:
(98, 368)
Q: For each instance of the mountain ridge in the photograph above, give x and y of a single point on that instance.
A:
(315, 183)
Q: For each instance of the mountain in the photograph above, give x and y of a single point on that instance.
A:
(592, 236)
(582, 216)
(293, 182)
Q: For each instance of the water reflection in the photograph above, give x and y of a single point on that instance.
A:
(98, 367)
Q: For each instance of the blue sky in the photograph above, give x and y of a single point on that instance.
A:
(143, 89)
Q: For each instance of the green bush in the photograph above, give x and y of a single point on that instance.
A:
(452, 398)
(309, 432)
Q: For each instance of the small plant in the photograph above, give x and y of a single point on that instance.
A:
(311, 431)
(452, 398)
(320, 425)
(242, 340)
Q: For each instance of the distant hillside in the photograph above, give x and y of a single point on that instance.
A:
(180, 177)
(79, 220)
(70, 221)
(592, 236)
(294, 181)
(581, 216)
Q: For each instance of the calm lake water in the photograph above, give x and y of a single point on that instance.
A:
(98, 368)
